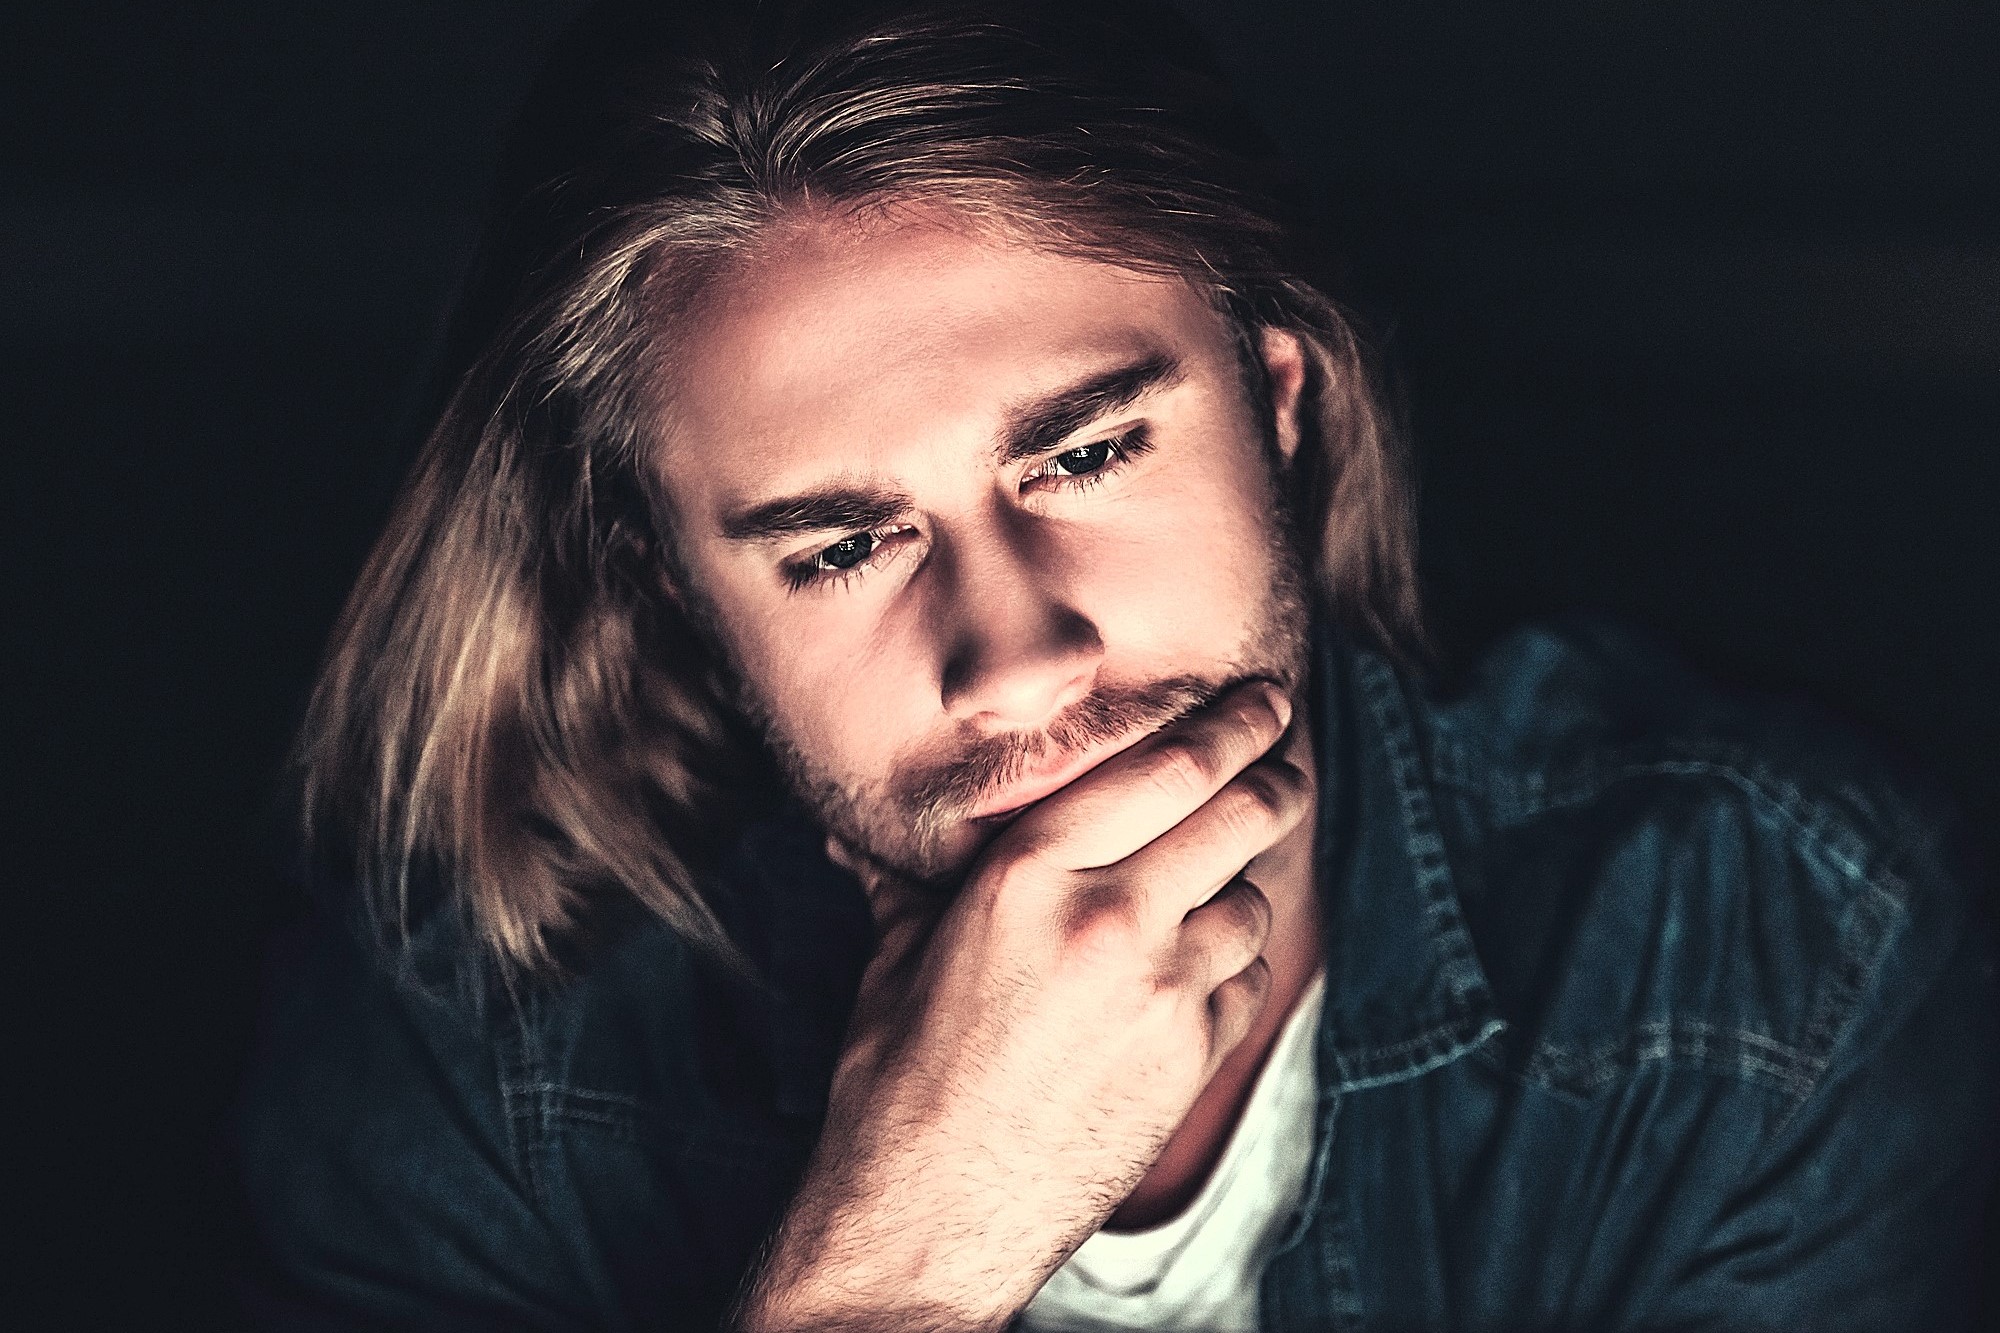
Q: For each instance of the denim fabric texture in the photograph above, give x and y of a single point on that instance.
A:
(1649, 1006)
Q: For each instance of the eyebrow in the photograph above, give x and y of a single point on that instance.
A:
(1033, 428)
(1040, 426)
(826, 508)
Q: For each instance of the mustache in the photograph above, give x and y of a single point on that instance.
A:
(992, 763)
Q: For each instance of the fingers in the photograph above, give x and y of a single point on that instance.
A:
(1233, 1008)
(1223, 936)
(1183, 867)
(1130, 799)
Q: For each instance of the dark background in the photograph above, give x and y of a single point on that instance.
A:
(1696, 307)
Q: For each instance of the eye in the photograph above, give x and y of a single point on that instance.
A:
(1086, 465)
(1083, 459)
(849, 551)
(846, 558)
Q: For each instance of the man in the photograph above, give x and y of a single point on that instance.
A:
(878, 780)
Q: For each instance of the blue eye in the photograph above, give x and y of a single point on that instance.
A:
(1084, 460)
(1088, 464)
(844, 559)
(849, 551)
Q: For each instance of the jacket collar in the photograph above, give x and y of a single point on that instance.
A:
(1405, 993)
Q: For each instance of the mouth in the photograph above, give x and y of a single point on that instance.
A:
(1035, 788)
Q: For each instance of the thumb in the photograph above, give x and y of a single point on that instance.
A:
(896, 904)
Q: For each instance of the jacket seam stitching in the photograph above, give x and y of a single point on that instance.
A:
(1429, 859)
(1752, 1055)
(1834, 838)
(518, 1069)
(1865, 927)
(539, 1104)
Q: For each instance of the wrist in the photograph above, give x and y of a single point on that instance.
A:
(829, 1307)
(862, 1269)
(843, 1301)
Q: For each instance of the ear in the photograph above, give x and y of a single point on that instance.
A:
(1284, 358)
(670, 587)
(668, 576)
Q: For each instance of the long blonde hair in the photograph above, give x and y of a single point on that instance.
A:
(508, 700)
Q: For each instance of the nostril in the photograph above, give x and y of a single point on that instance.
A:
(1007, 669)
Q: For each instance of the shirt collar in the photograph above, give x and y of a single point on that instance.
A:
(1405, 993)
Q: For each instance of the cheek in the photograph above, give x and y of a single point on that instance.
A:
(843, 701)
(1191, 561)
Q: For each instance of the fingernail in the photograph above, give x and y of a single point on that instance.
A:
(1281, 703)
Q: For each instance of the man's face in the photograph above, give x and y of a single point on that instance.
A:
(967, 517)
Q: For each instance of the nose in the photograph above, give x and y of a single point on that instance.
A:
(1016, 650)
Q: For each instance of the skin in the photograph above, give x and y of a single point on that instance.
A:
(1088, 627)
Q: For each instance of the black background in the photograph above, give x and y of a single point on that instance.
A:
(1696, 308)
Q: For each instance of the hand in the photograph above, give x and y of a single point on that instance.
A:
(1020, 1056)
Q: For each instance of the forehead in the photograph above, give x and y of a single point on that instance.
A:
(853, 336)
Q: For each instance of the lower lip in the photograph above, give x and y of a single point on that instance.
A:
(1000, 816)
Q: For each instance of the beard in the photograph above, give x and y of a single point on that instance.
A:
(915, 821)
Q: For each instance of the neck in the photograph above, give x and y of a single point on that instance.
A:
(1285, 873)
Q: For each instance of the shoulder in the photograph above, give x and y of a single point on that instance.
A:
(372, 1058)
(549, 1145)
(636, 1032)
(1660, 870)
(375, 1147)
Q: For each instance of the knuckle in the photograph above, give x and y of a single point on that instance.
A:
(1263, 793)
(1269, 795)
(1185, 767)
(1285, 783)
(1242, 995)
(1102, 922)
(1245, 937)
(1252, 910)
(1246, 811)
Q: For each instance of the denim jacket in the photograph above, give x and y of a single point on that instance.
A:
(1648, 1007)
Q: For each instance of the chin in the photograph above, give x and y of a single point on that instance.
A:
(952, 858)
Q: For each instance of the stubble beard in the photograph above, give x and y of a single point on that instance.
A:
(904, 821)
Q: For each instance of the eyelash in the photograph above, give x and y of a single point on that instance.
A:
(1125, 448)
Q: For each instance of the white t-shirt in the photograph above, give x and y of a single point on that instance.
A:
(1198, 1272)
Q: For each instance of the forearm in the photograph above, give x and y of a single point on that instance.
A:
(838, 1266)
